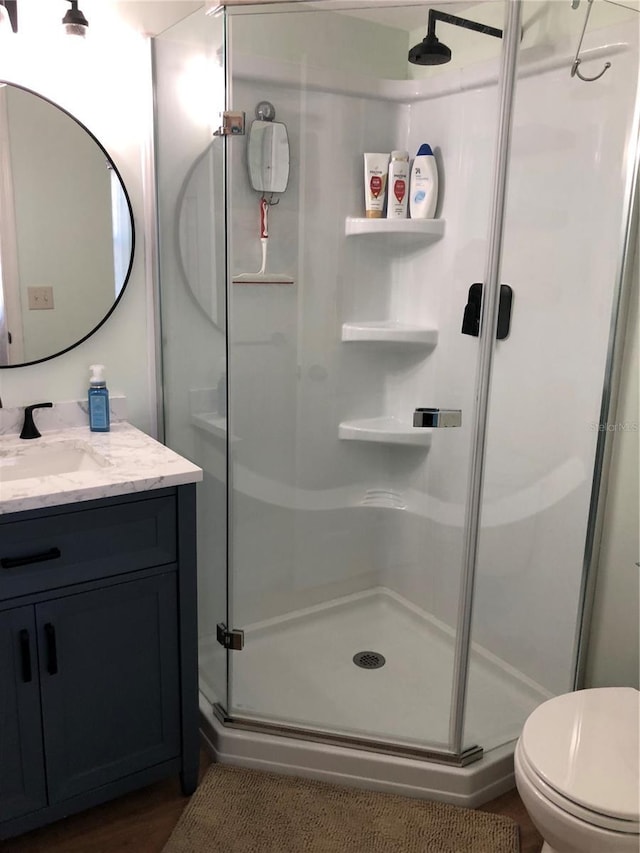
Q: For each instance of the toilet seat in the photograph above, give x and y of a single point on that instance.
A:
(580, 751)
(569, 806)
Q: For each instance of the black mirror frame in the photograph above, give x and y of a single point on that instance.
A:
(133, 232)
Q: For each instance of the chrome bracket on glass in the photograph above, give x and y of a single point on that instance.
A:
(233, 124)
(233, 640)
(433, 418)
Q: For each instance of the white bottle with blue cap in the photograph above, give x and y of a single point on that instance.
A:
(424, 184)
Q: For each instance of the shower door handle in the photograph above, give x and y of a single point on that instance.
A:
(473, 311)
(437, 418)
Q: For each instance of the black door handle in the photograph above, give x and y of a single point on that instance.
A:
(473, 311)
(52, 650)
(25, 654)
(43, 556)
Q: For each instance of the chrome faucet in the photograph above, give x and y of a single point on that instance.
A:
(29, 429)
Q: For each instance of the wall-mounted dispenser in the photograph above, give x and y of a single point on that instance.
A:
(268, 167)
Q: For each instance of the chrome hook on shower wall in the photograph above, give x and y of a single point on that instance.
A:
(575, 68)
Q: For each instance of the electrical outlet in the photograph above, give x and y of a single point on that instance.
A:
(40, 298)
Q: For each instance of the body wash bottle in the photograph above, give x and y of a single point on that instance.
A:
(424, 184)
(398, 185)
(98, 400)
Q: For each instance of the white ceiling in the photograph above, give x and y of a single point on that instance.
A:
(154, 16)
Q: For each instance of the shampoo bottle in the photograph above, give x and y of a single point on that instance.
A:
(424, 184)
(98, 400)
(398, 185)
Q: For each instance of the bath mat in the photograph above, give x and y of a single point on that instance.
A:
(247, 811)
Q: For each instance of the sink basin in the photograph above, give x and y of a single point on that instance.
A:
(25, 461)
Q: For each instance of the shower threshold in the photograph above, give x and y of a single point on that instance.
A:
(469, 786)
(468, 756)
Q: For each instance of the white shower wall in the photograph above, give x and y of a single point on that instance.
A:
(290, 380)
(325, 522)
(305, 530)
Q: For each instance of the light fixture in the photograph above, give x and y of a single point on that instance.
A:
(75, 23)
(9, 15)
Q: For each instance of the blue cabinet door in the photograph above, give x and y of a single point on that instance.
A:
(22, 783)
(110, 683)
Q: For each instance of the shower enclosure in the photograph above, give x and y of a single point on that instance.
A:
(401, 594)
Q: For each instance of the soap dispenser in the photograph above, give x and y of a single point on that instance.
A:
(98, 400)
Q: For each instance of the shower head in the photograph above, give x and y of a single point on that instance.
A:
(431, 51)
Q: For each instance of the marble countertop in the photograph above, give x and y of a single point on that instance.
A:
(123, 461)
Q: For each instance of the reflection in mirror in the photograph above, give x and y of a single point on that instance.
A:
(66, 230)
(268, 156)
(201, 234)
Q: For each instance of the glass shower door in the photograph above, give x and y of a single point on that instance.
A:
(346, 522)
(189, 78)
(574, 144)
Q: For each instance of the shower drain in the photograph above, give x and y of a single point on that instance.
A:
(369, 660)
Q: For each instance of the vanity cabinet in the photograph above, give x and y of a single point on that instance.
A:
(98, 653)
(22, 787)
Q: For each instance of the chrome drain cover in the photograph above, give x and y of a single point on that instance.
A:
(369, 660)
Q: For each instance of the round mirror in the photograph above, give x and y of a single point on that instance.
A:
(66, 230)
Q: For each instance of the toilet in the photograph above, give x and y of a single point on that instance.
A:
(577, 771)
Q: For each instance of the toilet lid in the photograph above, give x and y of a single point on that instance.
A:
(585, 746)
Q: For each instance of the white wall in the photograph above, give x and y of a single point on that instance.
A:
(324, 40)
(113, 99)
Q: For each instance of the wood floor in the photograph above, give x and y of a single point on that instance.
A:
(142, 822)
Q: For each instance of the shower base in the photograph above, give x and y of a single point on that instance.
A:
(298, 671)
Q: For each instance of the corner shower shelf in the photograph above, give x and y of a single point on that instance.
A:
(429, 229)
(389, 332)
(213, 423)
(386, 430)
